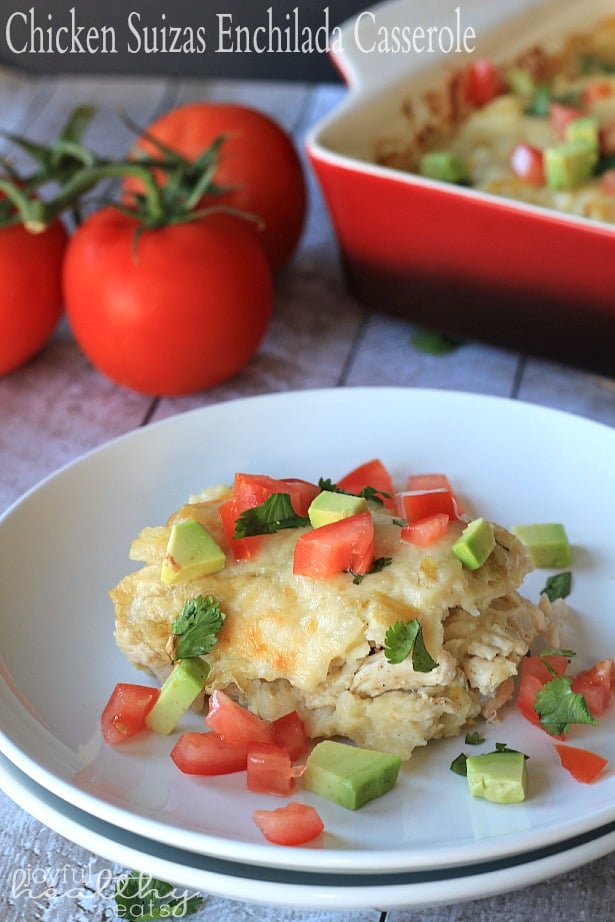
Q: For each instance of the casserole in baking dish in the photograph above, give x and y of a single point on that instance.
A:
(517, 271)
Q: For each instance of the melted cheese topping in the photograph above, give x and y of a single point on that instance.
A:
(487, 139)
(294, 643)
(580, 74)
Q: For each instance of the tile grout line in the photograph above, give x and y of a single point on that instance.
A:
(518, 377)
(354, 348)
(150, 412)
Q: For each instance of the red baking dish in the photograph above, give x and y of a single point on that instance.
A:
(444, 256)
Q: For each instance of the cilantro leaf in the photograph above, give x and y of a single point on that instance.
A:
(369, 493)
(558, 586)
(459, 766)
(558, 706)
(194, 631)
(555, 651)
(271, 516)
(405, 638)
(474, 739)
(141, 896)
(377, 566)
(432, 342)
(504, 747)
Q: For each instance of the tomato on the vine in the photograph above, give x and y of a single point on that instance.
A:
(259, 166)
(168, 310)
(31, 292)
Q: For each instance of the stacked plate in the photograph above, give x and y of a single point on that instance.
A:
(66, 543)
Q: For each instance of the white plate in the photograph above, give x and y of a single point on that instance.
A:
(66, 542)
(294, 888)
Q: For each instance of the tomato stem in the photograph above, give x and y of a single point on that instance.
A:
(170, 186)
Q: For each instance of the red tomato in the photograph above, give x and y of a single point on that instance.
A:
(289, 731)
(483, 82)
(426, 531)
(418, 504)
(270, 769)
(125, 711)
(234, 723)
(208, 754)
(259, 166)
(433, 482)
(534, 675)
(251, 490)
(31, 294)
(293, 824)
(174, 311)
(242, 548)
(561, 116)
(597, 685)
(302, 492)
(583, 765)
(428, 482)
(371, 474)
(597, 91)
(527, 163)
(344, 545)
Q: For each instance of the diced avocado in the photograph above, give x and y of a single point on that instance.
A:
(570, 163)
(330, 507)
(584, 128)
(178, 692)
(348, 775)
(475, 543)
(547, 543)
(444, 165)
(500, 777)
(520, 81)
(191, 553)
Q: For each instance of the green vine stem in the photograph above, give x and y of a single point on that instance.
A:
(170, 187)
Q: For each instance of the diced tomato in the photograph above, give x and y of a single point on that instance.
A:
(428, 482)
(330, 549)
(208, 754)
(234, 723)
(597, 685)
(289, 731)
(251, 490)
(293, 824)
(270, 769)
(433, 482)
(594, 92)
(483, 82)
(537, 667)
(561, 115)
(301, 493)
(528, 689)
(527, 163)
(426, 531)
(583, 765)
(125, 712)
(242, 548)
(413, 505)
(371, 474)
(534, 676)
